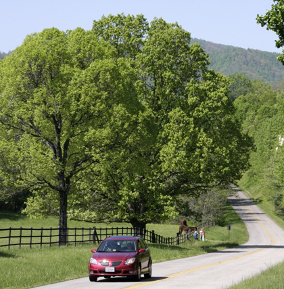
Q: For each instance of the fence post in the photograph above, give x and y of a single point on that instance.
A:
(153, 237)
(95, 235)
(59, 236)
(50, 236)
(20, 239)
(75, 235)
(9, 239)
(41, 232)
(177, 238)
(31, 237)
(83, 231)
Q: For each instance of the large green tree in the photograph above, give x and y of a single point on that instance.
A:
(116, 122)
(56, 90)
(195, 142)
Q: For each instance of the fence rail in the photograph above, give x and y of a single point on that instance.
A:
(78, 236)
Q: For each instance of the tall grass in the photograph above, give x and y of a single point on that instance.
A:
(26, 268)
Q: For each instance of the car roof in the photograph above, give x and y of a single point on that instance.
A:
(122, 238)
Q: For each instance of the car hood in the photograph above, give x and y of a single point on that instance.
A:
(113, 255)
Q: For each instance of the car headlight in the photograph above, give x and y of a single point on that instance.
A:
(129, 261)
(93, 261)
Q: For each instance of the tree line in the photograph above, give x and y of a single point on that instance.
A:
(260, 110)
(119, 122)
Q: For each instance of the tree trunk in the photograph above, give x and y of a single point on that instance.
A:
(139, 227)
(63, 231)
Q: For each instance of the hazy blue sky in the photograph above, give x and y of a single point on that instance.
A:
(230, 22)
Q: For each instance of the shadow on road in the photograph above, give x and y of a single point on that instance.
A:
(244, 202)
(125, 279)
(250, 247)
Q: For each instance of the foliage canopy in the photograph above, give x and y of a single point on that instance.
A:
(116, 122)
(273, 20)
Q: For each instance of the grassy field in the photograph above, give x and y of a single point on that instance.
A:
(27, 268)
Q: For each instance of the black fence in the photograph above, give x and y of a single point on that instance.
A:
(78, 236)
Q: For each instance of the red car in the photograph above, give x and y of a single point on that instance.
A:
(121, 256)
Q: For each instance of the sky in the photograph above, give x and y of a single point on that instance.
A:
(228, 22)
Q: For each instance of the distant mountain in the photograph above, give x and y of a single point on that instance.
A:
(255, 64)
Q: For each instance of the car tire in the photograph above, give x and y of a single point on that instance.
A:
(149, 274)
(93, 278)
(138, 275)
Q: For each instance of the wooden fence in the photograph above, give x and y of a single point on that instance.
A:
(78, 236)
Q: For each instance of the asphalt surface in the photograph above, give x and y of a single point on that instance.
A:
(220, 269)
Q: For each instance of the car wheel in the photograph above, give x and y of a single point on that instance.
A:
(138, 275)
(93, 278)
(149, 274)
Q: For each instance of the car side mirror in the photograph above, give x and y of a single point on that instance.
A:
(142, 250)
(94, 250)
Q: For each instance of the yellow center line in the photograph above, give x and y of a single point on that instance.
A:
(209, 265)
(271, 238)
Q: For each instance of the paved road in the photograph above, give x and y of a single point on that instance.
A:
(214, 270)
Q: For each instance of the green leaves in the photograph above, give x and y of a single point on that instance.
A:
(62, 113)
(118, 120)
(273, 19)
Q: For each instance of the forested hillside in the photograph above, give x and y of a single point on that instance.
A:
(260, 109)
(3, 54)
(253, 63)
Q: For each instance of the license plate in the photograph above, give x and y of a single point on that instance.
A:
(109, 269)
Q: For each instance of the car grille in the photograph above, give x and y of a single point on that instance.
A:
(116, 263)
(107, 263)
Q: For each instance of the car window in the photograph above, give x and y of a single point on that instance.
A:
(117, 246)
(109, 246)
(128, 246)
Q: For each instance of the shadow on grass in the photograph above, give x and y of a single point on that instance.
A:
(10, 216)
(6, 255)
(218, 247)
(164, 246)
(208, 248)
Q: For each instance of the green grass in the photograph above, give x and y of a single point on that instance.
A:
(26, 268)
(271, 278)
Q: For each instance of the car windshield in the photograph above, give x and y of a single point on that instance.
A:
(117, 246)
